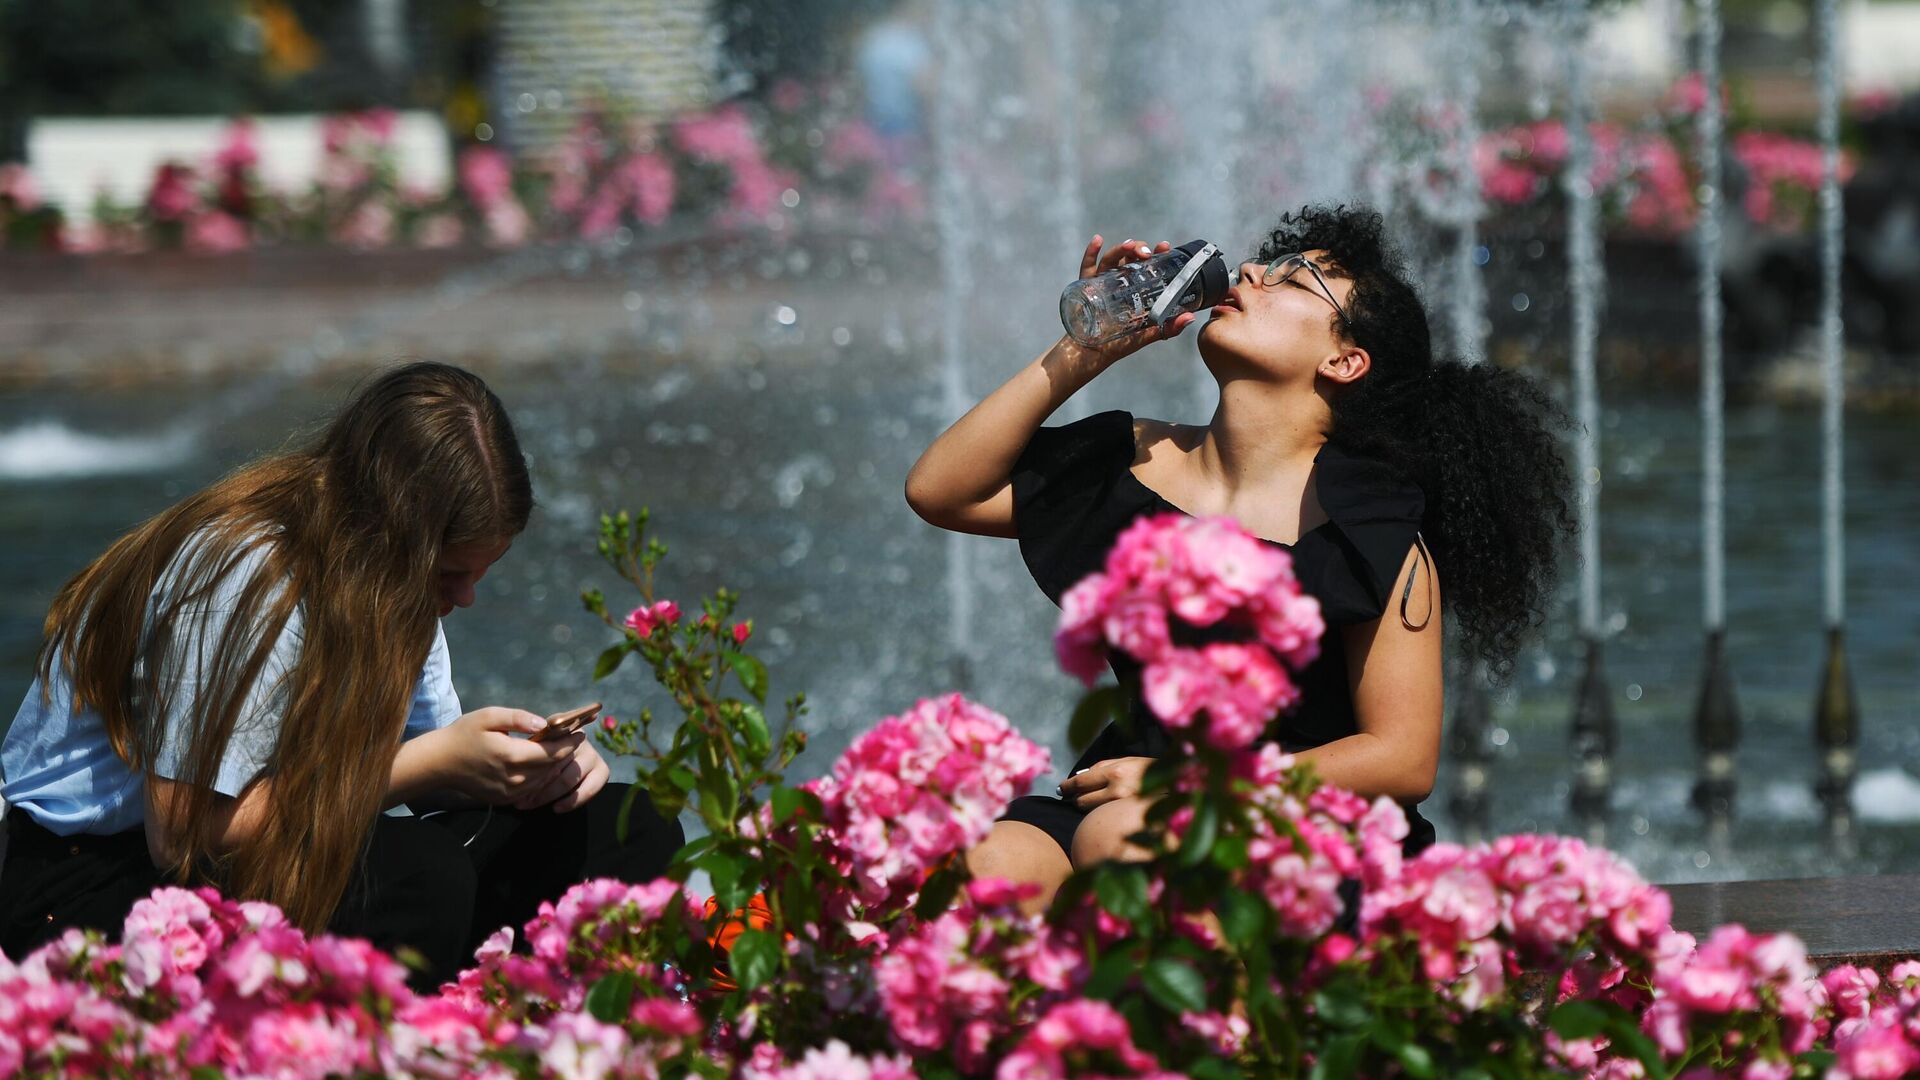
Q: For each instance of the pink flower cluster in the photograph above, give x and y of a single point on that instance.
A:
(946, 986)
(486, 179)
(1088, 1040)
(200, 981)
(920, 788)
(1783, 177)
(1737, 972)
(1300, 850)
(834, 1061)
(644, 620)
(599, 182)
(17, 188)
(727, 137)
(596, 927)
(1875, 1025)
(1642, 176)
(1529, 899)
(1206, 572)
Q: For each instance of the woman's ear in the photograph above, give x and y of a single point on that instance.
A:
(1347, 366)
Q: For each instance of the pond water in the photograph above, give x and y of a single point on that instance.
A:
(774, 466)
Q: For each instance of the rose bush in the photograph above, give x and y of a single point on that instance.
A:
(736, 165)
(1647, 177)
(1273, 927)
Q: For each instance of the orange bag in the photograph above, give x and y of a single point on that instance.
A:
(757, 916)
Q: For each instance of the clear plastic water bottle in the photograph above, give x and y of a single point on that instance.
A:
(1133, 296)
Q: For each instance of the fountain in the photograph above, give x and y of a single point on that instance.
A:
(1717, 718)
(1593, 721)
(956, 232)
(1469, 726)
(1836, 718)
(1069, 209)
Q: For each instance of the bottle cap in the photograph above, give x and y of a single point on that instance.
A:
(1212, 277)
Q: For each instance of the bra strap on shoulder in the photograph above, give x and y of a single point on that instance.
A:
(1407, 592)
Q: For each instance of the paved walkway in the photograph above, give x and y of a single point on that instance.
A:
(128, 319)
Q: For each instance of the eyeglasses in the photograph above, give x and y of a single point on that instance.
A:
(1284, 267)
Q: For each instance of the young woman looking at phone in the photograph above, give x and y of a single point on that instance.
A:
(236, 690)
(1393, 479)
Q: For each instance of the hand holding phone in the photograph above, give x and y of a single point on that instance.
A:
(562, 724)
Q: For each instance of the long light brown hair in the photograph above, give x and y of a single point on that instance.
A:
(348, 529)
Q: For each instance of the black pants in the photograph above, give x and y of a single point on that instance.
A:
(438, 884)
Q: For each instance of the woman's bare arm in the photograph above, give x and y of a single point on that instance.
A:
(963, 481)
(471, 762)
(237, 817)
(1396, 676)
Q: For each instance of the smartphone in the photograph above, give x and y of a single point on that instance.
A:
(561, 724)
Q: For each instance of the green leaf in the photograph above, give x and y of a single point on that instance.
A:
(753, 673)
(683, 778)
(1414, 1058)
(1577, 1020)
(1197, 844)
(1230, 852)
(1214, 1069)
(1340, 1059)
(753, 724)
(668, 801)
(1342, 1005)
(719, 797)
(206, 1072)
(611, 997)
(1243, 919)
(692, 851)
(1123, 892)
(609, 661)
(785, 801)
(1110, 973)
(937, 893)
(1094, 712)
(1623, 1033)
(1175, 984)
(754, 958)
(731, 887)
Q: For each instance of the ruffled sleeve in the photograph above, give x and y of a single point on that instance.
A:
(1375, 516)
(1068, 498)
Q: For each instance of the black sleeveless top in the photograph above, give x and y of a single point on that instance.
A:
(1074, 492)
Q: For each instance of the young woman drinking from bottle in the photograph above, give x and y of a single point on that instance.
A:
(1393, 478)
(235, 691)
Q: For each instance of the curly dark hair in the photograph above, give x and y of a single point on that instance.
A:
(1482, 443)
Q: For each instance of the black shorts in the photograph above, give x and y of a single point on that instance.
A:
(1051, 814)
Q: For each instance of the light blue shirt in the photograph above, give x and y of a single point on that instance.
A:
(60, 768)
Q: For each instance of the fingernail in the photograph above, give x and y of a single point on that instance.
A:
(1145, 250)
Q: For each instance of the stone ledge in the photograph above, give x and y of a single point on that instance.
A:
(1870, 921)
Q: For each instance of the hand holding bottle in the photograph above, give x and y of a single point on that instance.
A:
(1120, 302)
